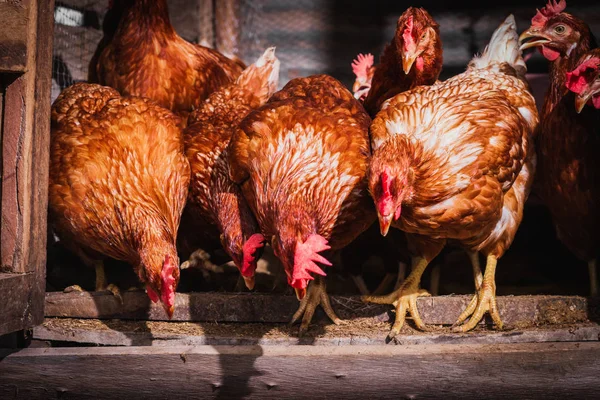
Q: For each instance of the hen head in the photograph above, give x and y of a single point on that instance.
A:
(555, 32)
(390, 182)
(299, 258)
(363, 68)
(418, 40)
(161, 284)
(245, 254)
(584, 81)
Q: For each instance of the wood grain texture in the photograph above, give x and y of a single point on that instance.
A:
(255, 307)
(137, 333)
(16, 308)
(37, 190)
(13, 130)
(25, 147)
(13, 36)
(561, 370)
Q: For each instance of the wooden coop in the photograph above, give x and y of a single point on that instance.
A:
(224, 342)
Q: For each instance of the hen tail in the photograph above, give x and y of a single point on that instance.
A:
(262, 77)
(503, 48)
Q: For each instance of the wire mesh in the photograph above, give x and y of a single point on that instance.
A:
(311, 36)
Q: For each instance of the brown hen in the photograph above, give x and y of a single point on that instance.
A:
(214, 200)
(568, 178)
(301, 161)
(413, 58)
(118, 184)
(455, 161)
(144, 56)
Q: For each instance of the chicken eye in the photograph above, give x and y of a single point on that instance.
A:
(560, 29)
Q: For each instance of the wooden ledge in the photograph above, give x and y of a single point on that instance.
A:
(516, 311)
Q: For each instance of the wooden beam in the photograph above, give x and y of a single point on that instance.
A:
(361, 332)
(13, 36)
(518, 311)
(517, 371)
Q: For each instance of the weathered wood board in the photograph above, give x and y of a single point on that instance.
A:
(256, 307)
(26, 53)
(352, 333)
(13, 36)
(511, 371)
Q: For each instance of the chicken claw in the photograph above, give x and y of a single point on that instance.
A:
(316, 294)
(484, 300)
(73, 288)
(405, 298)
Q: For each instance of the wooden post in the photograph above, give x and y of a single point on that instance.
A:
(227, 26)
(25, 74)
(206, 23)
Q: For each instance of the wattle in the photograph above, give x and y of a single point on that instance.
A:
(550, 54)
(596, 101)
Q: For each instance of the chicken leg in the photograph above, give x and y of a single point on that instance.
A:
(405, 297)
(389, 278)
(316, 294)
(484, 300)
(478, 277)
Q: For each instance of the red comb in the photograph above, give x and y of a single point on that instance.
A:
(361, 65)
(409, 42)
(168, 282)
(551, 9)
(305, 259)
(250, 249)
(578, 79)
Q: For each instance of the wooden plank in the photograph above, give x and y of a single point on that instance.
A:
(17, 307)
(255, 307)
(13, 36)
(529, 371)
(38, 159)
(145, 333)
(12, 134)
(227, 27)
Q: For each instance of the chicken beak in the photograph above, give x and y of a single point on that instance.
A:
(385, 221)
(407, 61)
(170, 311)
(581, 100)
(529, 34)
(300, 293)
(249, 281)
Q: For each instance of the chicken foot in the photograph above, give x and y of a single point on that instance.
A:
(316, 295)
(405, 298)
(485, 299)
(101, 285)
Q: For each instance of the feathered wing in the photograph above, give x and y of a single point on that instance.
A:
(503, 48)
